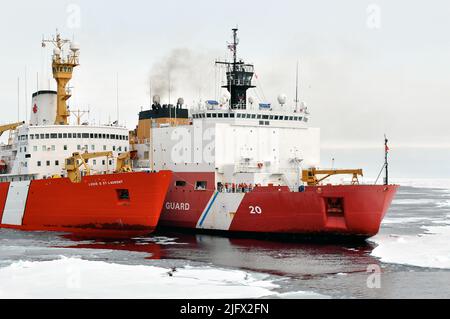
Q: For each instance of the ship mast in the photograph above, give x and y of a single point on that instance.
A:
(62, 72)
(239, 76)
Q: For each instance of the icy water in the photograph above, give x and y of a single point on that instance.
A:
(412, 252)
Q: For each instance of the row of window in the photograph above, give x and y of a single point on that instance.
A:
(62, 69)
(44, 148)
(251, 116)
(73, 135)
(49, 163)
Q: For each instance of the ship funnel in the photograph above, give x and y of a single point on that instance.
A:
(43, 108)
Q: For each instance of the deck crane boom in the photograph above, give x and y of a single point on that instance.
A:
(124, 163)
(10, 127)
(77, 160)
(310, 175)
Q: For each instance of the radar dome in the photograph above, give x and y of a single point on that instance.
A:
(251, 100)
(180, 101)
(75, 47)
(282, 99)
(56, 51)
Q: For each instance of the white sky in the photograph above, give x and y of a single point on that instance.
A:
(359, 78)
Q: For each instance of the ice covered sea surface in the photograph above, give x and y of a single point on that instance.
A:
(412, 251)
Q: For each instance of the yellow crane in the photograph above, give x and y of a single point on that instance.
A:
(310, 176)
(77, 160)
(10, 127)
(124, 163)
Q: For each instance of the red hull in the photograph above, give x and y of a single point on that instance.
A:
(92, 207)
(278, 210)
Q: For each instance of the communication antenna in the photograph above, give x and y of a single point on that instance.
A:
(79, 114)
(26, 96)
(117, 97)
(18, 99)
(296, 88)
(150, 87)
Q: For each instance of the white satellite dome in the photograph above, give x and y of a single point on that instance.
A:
(56, 51)
(74, 47)
(223, 100)
(251, 100)
(282, 98)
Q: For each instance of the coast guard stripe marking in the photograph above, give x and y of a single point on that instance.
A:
(15, 203)
(208, 209)
(221, 211)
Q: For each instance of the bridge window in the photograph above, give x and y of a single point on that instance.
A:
(65, 135)
(39, 163)
(180, 183)
(201, 186)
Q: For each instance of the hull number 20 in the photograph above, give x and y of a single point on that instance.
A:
(255, 210)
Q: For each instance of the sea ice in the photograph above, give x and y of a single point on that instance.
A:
(77, 278)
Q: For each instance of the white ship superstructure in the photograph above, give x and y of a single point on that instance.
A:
(258, 147)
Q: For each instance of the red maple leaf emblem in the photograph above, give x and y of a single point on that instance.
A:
(35, 109)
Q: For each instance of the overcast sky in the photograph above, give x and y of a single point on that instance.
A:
(366, 67)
